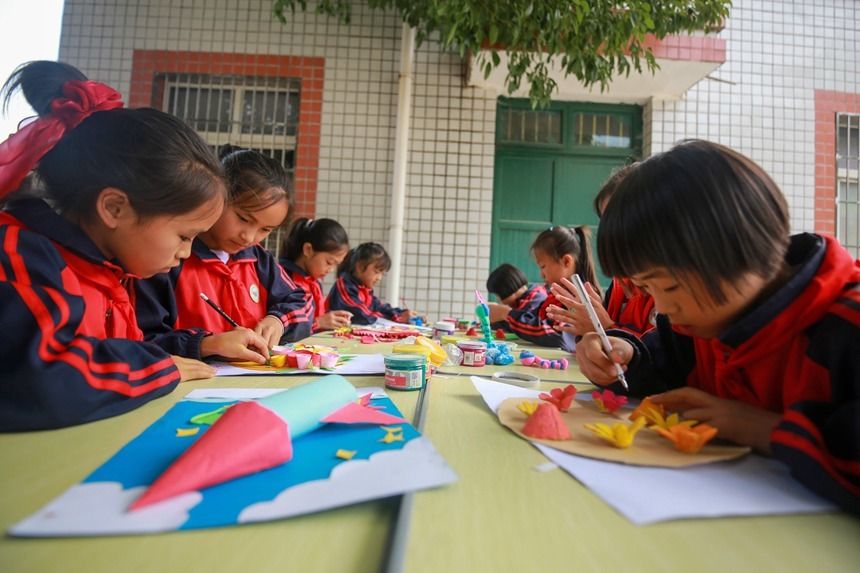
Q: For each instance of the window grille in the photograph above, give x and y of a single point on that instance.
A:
(847, 180)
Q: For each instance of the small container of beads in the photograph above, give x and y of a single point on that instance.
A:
(405, 371)
(474, 353)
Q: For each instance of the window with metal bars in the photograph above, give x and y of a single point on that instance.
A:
(260, 113)
(847, 181)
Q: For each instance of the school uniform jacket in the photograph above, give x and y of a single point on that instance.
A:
(797, 353)
(311, 289)
(348, 294)
(633, 314)
(70, 347)
(248, 287)
(528, 319)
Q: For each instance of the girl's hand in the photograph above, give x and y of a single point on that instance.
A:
(406, 315)
(270, 329)
(498, 312)
(237, 344)
(595, 364)
(736, 421)
(577, 315)
(334, 319)
(190, 369)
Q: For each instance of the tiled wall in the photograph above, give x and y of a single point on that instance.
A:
(761, 102)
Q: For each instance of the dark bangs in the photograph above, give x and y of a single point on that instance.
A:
(699, 208)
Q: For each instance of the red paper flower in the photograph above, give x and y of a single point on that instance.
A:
(608, 401)
(561, 398)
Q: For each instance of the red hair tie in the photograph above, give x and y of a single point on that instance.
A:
(22, 151)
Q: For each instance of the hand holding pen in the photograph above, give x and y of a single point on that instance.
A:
(598, 328)
(237, 344)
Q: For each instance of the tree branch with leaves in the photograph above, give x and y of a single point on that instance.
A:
(593, 40)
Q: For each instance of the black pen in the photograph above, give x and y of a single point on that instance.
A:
(219, 310)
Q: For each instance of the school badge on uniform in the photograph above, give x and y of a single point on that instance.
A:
(254, 291)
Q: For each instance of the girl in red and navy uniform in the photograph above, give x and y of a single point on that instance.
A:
(359, 272)
(313, 249)
(559, 253)
(228, 264)
(70, 346)
(758, 332)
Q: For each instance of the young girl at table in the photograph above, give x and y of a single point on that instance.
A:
(559, 253)
(360, 271)
(229, 265)
(624, 305)
(126, 191)
(313, 249)
(762, 337)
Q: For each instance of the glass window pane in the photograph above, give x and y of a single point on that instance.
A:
(602, 130)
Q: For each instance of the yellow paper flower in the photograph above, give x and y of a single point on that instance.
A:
(686, 439)
(656, 419)
(527, 408)
(645, 405)
(277, 360)
(619, 435)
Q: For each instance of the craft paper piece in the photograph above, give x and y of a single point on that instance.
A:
(648, 449)
(257, 435)
(314, 480)
(226, 394)
(356, 365)
(751, 485)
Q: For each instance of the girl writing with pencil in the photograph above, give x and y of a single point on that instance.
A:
(758, 332)
(360, 271)
(230, 268)
(126, 190)
(313, 249)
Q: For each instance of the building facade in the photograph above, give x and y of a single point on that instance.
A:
(782, 86)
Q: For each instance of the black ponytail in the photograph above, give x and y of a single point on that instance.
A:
(160, 163)
(324, 235)
(557, 242)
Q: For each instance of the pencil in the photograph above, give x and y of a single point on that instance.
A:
(607, 346)
(219, 310)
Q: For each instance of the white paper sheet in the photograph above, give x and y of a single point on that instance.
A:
(752, 485)
(255, 393)
(358, 365)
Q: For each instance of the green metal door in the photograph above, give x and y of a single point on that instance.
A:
(549, 166)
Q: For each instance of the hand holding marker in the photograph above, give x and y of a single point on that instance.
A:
(589, 308)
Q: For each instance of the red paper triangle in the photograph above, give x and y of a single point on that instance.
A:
(248, 438)
(354, 413)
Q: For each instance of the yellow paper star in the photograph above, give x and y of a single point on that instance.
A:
(619, 435)
(345, 454)
(392, 437)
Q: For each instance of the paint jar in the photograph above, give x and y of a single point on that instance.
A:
(405, 371)
(442, 328)
(474, 353)
(450, 339)
(417, 349)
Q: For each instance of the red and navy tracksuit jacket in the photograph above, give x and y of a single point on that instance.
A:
(248, 287)
(797, 353)
(70, 346)
(635, 313)
(311, 290)
(348, 294)
(527, 319)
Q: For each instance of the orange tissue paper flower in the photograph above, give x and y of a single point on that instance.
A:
(561, 398)
(608, 401)
(686, 439)
(644, 406)
(546, 424)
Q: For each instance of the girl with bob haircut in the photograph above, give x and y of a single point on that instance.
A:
(361, 270)
(759, 331)
(228, 263)
(313, 249)
(126, 191)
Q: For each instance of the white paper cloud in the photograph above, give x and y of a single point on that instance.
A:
(99, 508)
(417, 466)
